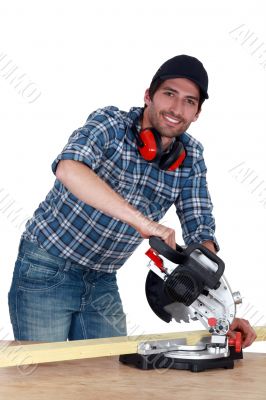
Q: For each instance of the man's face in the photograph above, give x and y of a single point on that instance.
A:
(173, 107)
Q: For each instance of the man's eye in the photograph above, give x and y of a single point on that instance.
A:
(170, 94)
(190, 101)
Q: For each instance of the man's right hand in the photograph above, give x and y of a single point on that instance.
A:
(149, 228)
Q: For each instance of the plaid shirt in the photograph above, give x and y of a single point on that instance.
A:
(67, 227)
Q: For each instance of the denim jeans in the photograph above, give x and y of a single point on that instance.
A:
(53, 299)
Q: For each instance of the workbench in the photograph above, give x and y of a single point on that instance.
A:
(106, 378)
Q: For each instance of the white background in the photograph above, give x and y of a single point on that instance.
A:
(87, 54)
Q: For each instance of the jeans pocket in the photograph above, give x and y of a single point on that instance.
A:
(107, 278)
(38, 274)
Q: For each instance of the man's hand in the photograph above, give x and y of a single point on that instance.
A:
(209, 244)
(148, 228)
(248, 333)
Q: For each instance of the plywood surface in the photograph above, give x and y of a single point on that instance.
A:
(105, 378)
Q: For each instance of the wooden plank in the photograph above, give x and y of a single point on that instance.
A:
(61, 351)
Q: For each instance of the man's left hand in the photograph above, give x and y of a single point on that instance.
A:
(248, 333)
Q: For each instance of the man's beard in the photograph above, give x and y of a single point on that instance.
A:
(169, 132)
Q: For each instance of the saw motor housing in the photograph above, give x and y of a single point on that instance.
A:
(188, 284)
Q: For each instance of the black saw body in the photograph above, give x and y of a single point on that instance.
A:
(186, 282)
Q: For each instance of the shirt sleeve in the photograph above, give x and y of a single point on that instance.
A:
(89, 143)
(194, 207)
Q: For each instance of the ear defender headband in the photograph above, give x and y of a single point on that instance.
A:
(150, 147)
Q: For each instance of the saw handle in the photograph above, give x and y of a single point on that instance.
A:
(176, 256)
(211, 277)
(182, 256)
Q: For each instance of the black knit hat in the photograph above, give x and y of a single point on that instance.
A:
(184, 66)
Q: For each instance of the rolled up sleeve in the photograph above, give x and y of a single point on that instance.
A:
(88, 143)
(194, 207)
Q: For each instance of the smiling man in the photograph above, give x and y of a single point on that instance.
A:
(115, 179)
(172, 108)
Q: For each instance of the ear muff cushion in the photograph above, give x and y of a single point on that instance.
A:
(151, 148)
(174, 159)
(178, 162)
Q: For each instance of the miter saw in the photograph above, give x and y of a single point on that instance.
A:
(187, 284)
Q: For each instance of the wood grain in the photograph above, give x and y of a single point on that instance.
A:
(105, 378)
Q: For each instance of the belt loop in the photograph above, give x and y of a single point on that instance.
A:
(67, 266)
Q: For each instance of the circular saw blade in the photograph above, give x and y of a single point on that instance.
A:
(161, 304)
(179, 312)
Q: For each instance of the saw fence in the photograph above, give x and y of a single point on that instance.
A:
(12, 354)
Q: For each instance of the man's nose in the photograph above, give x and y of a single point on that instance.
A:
(177, 107)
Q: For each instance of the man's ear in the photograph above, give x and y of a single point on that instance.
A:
(147, 98)
(197, 115)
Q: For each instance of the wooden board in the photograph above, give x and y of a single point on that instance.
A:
(60, 351)
(106, 378)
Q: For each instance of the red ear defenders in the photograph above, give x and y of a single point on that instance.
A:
(150, 147)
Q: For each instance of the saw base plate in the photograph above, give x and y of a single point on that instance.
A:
(158, 361)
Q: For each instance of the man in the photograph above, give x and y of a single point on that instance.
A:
(116, 178)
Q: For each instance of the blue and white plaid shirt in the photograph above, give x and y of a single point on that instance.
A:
(67, 227)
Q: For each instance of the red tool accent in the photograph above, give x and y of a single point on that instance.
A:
(236, 341)
(155, 258)
(212, 321)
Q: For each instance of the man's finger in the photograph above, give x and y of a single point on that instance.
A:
(249, 339)
(248, 333)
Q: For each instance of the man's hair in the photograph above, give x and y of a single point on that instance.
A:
(157, 83)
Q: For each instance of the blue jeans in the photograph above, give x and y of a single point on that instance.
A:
(53, 299)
